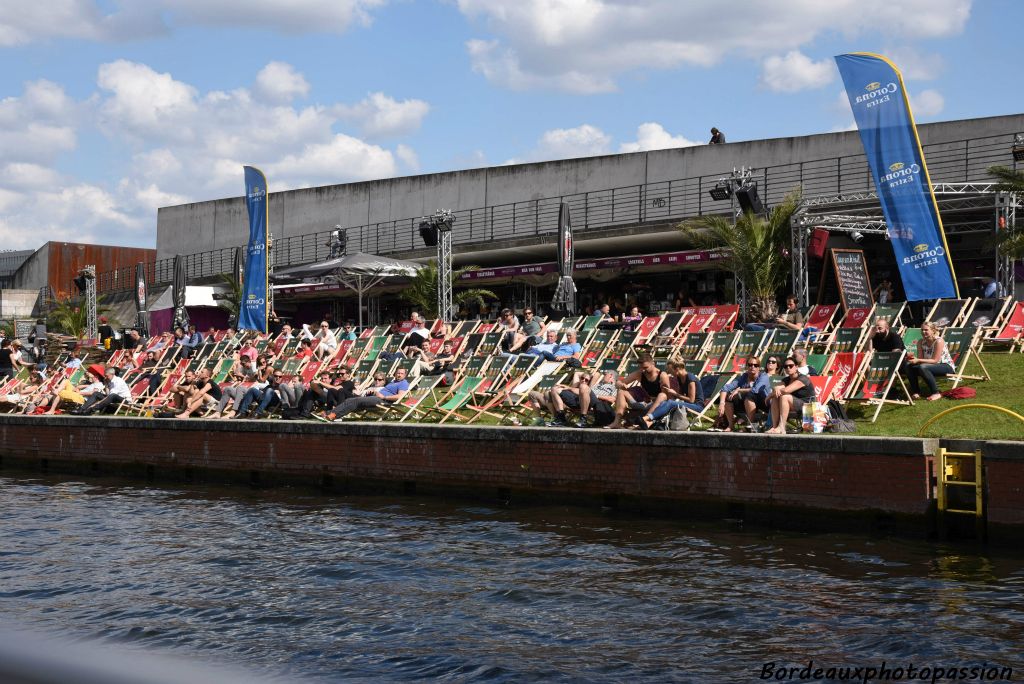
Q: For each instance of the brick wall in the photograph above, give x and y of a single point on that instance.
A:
(819, 472)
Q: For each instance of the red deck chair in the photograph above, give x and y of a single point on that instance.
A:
(647, 329)
(825, 387)
(724, 318)
(1012, 331)
(820, 318)
(846, 367)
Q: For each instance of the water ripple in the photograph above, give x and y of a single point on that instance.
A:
(366, 589)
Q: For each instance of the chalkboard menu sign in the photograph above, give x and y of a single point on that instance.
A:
(852, 276)
(23, 328)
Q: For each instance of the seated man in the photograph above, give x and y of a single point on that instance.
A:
(267, 396)
(547, 346)
(800, 354)
(204, 391)
(590, 391)
(182, 390)
(430, 364)
(391, 392)
(570, 349)
(747, 393)
(684, 392)
(528, 333)
(651, 381)
(117, 391)
(791, 318)
(884, 339)
(149, 372)
(326, 390)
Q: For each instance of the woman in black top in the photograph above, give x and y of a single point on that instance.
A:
(790, 396)
(6, 359)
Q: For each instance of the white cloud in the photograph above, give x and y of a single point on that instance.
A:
(144, 102)
(916, 65)
(408, 157)
(184, 145)
(379, 115)
(25, 22)
(796, 71)
(585, 46)
(279, 82)
(653, 136)
(927, 103)
(566, 143)
(341, 157)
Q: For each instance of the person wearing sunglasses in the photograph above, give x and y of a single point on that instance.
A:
(773, 366)
(747, 394)
(267, 396)
(789, 397)
(528, 333)
(379, 394)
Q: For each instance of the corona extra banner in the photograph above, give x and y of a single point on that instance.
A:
(881, 108)
(252, 309)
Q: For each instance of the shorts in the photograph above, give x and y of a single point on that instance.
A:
(637, 396)
(570, 399)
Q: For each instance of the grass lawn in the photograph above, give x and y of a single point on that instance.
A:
(1005, 389)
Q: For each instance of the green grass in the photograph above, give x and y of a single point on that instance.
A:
(1005, 389)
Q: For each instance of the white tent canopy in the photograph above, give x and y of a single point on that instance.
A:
(359, 272)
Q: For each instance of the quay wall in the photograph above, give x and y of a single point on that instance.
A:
(881, 482)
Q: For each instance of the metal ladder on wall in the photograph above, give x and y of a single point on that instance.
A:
(961, 488)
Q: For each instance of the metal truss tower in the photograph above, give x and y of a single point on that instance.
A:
(91, 325)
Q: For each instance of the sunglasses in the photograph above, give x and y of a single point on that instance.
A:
(775, 361)
(378, 378)
(528, 313)
(789, 365)
(753, 365)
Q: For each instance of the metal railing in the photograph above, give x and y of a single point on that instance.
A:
(959, 161)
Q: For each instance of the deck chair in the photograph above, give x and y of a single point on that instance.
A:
(826, 387)
(818, 323)
(962, 344)
(910, 337)
(456, 400)
(882, 371)
(893, 313)
(489, 343)
(781, 343)
(374, 347)
(719, 350)
(590, 324)
(948, 312)
(846, 340)
(516, 410)
(988, 314)
(668, 329)
(621, 348)
(700, 321)
(712, 386)
(694, 345)
(411, 403)
(820, 362)
(724, 318)
(847, 368)
(597, 347)
(749, 345)
(1010, 335)
(647, 329)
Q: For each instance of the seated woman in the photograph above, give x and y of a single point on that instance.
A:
(932, 358)
(631, 321)
(789, 397)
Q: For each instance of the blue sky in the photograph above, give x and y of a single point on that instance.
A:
(112, 108)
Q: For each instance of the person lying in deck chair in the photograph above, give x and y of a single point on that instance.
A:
(391, 392)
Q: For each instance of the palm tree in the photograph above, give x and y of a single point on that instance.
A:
(756, 249)
(1011, 243)
(422, 291)
(71, 318)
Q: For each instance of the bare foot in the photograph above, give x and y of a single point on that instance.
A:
(613, 426)
(647, 421)
(915, 396)
(182, 416)
(935, 397)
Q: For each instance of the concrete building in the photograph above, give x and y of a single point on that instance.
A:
(625, 204)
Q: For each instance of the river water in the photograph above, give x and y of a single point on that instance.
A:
(374, 589)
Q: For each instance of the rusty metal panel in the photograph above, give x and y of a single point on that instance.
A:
(68, 258)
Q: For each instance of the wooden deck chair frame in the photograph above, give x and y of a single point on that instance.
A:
(461, 394)
(1014, 323)
(962, 347)
(698, 417)
(749, 345)
(410, 404)
(876, 385)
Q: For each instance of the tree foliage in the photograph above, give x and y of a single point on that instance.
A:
(1010, 244)
(756, 249)
(71, 318)
(422, 290)
(232, 297)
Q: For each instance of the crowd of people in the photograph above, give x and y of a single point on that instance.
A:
(329, 373)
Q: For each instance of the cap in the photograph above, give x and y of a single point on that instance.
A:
(98, 370)
(103, 319)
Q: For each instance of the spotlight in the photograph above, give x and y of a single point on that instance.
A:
(720, 192)
(749, 200)
(83, 276)
(428, 231)
(857, 236)
(1018, 147)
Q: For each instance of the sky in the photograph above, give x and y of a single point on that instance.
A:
(110, 109)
